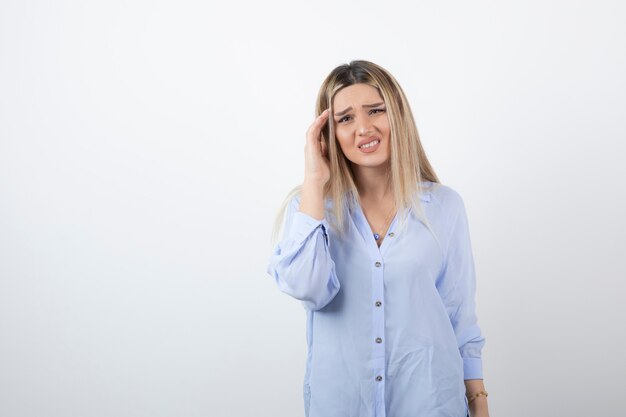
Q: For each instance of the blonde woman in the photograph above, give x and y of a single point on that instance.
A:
(378, 252)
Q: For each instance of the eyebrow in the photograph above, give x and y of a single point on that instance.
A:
(341, 113)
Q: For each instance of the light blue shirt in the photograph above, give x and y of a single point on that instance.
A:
(391, 331)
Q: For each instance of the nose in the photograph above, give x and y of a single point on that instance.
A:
(364, 128)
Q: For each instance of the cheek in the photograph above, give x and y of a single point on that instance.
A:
(343, 139)
(345, 148)
(386, 128)
(387, 133)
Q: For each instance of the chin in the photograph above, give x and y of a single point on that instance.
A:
(370, 162)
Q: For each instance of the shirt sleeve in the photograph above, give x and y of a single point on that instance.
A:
(301, 264)
(457, 287)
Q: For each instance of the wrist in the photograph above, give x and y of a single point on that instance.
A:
(478, 407)
(476, 395)
(312, 199)
(313, 183)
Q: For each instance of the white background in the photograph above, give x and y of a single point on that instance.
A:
(145, 147)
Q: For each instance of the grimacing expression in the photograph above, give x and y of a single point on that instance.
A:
(360, 118)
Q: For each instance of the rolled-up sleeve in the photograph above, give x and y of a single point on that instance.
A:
(300, 263)
(457, 287)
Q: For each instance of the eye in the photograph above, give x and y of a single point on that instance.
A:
(375, 111)
(342, 119)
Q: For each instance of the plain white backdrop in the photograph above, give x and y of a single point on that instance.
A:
(145, 147)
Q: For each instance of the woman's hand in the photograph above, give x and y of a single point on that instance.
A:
(316, 166)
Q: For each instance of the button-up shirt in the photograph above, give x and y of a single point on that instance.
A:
(391, 330)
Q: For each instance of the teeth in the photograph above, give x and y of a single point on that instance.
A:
(369, 145)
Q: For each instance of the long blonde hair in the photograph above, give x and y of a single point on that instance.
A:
(408, 167)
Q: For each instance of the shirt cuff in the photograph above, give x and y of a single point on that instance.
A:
(472, 368)
(303, 225)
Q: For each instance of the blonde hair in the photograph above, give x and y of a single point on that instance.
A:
(408, 167)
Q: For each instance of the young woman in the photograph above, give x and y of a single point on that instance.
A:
(378, 252)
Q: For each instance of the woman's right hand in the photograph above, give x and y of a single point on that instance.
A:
(316, 166)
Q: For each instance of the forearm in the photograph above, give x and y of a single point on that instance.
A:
(478, 407)
(312, 199)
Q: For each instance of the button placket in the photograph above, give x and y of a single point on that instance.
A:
(378, 315)
(376, 257)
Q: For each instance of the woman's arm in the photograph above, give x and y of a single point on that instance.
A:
(313, 199)
(478, 407)
(457, 286)
(301, 263)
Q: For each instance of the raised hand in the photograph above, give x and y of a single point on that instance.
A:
(316, 166)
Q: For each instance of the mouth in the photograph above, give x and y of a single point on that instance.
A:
(370, 146)
(368, 143)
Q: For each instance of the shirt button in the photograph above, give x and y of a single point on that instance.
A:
(379, 340)
(379, 378)
(390, 234)
(378, 303)
(377, 264)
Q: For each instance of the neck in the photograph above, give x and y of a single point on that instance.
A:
(372, 182)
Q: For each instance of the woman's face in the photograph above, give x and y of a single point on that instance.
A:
(360, 118)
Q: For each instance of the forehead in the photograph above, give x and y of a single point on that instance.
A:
(356, 94)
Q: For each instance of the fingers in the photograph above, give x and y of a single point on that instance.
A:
(314, 130)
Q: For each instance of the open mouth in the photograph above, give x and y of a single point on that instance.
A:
(370, 147)
(370, 144)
